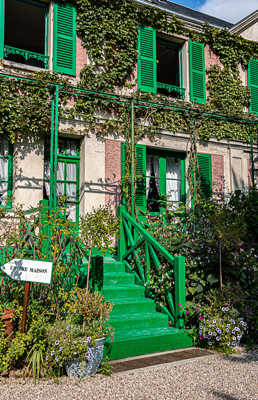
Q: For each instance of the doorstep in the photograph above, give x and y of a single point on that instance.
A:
(173, 357)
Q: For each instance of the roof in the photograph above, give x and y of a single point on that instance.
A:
(244, 23)
(186, 13)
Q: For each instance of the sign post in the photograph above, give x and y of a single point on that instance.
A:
(28, 271)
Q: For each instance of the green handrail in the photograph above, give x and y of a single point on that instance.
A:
(147, 236)
(133, 236)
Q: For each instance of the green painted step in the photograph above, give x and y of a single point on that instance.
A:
(134, 342)
(110, 265)
(117, 278)
(111, 293)
(128, 305)
(138, 321)
(138, 328)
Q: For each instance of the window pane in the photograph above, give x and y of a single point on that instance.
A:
(71, 172)
(71, 192)
(3, 169)
(153, 183)
(173, 179)
(3, 193)
(60, 171)
(71, 212)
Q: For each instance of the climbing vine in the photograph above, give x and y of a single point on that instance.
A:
(108, 30)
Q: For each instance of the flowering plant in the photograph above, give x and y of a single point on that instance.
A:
(223, 331)
(86, 316)
(66, 342)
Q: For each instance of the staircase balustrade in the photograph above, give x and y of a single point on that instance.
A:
(135, 240)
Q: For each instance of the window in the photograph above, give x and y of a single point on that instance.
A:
(67, 184)
(6, 167)
(165, 180)
(253, 84)
(26, 32)
(160, 66)
(160, 178)
(24, 27)
(169, 72)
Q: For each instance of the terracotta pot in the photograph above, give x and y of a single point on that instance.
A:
(6, 316)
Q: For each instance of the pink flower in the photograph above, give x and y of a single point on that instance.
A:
(201, 338)
(187, 312)
(200, 318)
(197, 309)
(179, 304)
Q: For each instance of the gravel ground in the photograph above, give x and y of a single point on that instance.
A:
(217, 377)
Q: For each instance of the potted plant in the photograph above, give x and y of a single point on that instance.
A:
(76, 343)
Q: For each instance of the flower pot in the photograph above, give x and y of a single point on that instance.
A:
(79, 369)
(6, 316)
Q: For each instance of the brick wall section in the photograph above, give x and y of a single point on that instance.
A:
(113, 173)
(217, 162)
(81, 57)
(210, 58)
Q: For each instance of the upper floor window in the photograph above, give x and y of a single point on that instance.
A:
(6, 169)
(160, 67)
(26, 32)
(169, 71)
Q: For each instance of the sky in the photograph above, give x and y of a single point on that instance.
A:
(229, 10)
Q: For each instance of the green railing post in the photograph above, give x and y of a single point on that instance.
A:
(132, 158)
(121, 239)
(179, 290)
(44, 209)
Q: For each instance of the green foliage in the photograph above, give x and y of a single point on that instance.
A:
(105, 367)
(198, 236)
(98, 227)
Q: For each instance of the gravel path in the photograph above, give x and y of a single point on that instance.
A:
(214, 378)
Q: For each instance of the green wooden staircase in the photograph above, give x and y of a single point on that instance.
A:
(138, 327)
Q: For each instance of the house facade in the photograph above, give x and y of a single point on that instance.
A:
(42, 36)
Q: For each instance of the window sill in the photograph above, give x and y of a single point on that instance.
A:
(23, 67)
(172, 90)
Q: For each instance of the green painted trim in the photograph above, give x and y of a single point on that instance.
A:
(181, 70)
(147, 37)
(179, 272)
(64, 42)
(2, 25)
(197, 72)
(205, 172)
(252, 82)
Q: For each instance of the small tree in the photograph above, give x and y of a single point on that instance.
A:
(97, 229)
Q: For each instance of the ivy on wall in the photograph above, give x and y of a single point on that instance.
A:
(108, 29)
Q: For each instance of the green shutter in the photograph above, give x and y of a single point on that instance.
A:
(64, 54)
(253, 84)
(140, 193)
(1, 29)
(204, 165)
(197, 72)
(147, 63)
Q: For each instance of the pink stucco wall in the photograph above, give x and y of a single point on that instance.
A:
(113, 173)
(217, 162)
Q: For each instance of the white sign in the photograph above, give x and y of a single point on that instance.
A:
(29, 270)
